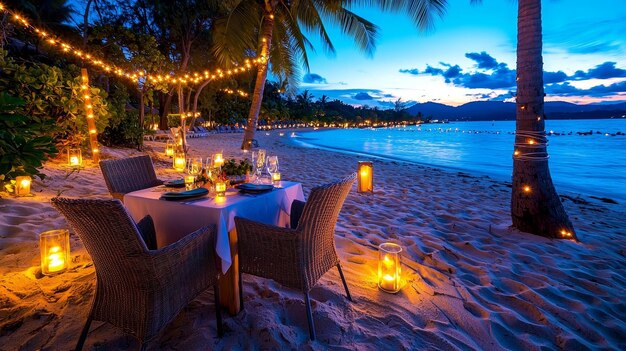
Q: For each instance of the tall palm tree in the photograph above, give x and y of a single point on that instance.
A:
(535, 206)
(274, 29)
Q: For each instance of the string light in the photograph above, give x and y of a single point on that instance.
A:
(165, 78)
(526, 188)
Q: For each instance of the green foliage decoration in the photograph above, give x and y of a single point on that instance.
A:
(24, 141)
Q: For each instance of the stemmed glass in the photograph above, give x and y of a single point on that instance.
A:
(194, 168)
(258, 161)
(272, 165)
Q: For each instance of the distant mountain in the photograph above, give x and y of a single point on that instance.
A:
(498, 110)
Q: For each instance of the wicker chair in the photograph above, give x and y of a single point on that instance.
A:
(129, 174)
(139, 290)
(296, 257)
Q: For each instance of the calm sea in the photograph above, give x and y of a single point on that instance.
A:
(587, 164)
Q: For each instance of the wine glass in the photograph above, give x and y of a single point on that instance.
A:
(272, 164)
(260, 162)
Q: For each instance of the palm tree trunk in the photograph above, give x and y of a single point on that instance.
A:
(535, 206)
(261, 75)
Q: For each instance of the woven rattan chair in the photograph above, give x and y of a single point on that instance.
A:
(129, 174)
(296, 257)
(139, 290)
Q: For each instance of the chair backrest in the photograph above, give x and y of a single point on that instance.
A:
(321, 210)
(110, 236)
(129, 174)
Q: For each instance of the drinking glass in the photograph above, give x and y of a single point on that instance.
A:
(194, 165)
(260, 162)
(272, 164)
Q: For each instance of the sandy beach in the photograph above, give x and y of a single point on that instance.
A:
(470, 281)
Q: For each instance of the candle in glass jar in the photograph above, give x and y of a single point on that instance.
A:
(220, 188)
(22, 185)
(190, 180)
(218, 160)
(179, 162)
(276, 176)
(55, 260)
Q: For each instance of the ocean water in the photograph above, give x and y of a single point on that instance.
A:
(587, 164)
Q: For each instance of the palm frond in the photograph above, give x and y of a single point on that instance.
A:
(236, 34)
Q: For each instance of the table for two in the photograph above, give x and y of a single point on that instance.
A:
(175, 219)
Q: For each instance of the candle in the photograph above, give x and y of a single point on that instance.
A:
(22, 185)
(73, 161)
(179, 162)
(55, 260)
(190, 180)
(169, 149)
(74, 158)
(276, 177)
(365, 183)
(389, 268)
(218, 160)
(220, 189)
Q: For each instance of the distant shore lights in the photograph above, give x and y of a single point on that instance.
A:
(365, 183)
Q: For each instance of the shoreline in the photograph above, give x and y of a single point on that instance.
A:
(563, 191)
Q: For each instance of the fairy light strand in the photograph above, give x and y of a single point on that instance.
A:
(188, 77)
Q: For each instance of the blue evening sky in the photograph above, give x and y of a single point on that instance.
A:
(470, 55)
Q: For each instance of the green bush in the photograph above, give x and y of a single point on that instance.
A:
(24, 140)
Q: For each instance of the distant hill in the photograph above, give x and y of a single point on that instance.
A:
(498, 110)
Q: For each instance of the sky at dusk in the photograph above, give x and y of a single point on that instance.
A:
(470, 55)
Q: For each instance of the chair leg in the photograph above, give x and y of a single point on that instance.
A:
(309, 315)
(343, 279)
(240, 290)
(218, 310)
(83, 334)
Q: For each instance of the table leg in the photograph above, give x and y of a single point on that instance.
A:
(229, 283)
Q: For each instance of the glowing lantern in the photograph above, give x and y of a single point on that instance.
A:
(389, 270)
(190, 180)
(366, 177)
(276, 177)
(22, 185)
(179, 161)
(220, 189)
(218, 160)
(169, 149)
(74, 158)
(54, 246)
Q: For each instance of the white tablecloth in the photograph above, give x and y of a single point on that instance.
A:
(175, 219)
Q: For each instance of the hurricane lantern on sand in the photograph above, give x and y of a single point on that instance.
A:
(179, 161)
(220, 189)
(22, 185)
(389, 267)
(169, 148)
(366, 177)
(54, 246)
(74, 158)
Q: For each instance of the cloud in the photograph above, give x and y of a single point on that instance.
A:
(566, 89)
(602, 71)
(491, 74)
(483, 60)
(314, 78)
(363, 96)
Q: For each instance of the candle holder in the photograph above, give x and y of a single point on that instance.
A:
(276, 177)
(169, 148)
(54, 246)
(365, 182)
(220, 189)
(389, 267)
(179, 161)
(218, 160)
(190, 182)
(74, 158)
(22, 185)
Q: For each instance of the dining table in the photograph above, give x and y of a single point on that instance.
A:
(175, 219)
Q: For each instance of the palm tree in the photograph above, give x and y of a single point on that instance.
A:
(535, 206)
(274, 29)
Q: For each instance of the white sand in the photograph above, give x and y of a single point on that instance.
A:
(471, 283)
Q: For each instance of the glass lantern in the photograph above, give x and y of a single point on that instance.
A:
(54, 246)
(169, 148)
(365, 178)
(74, 158)
(389, 267)
(179, 161)
(220, 189)
(22, 185)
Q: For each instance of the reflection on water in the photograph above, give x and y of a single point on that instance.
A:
(590, 164)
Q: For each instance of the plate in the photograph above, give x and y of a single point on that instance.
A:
(185, 194)
(254, 188)
(178, 183)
